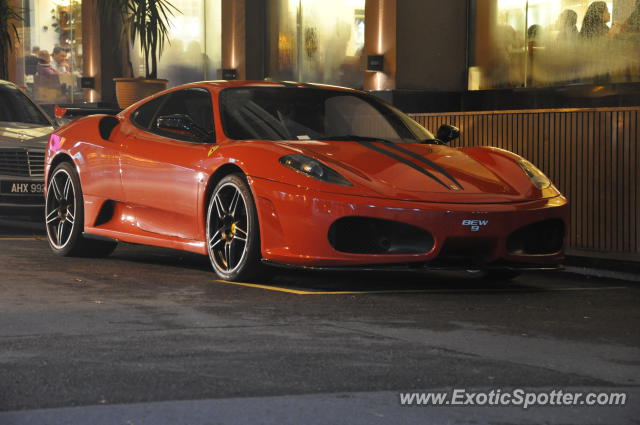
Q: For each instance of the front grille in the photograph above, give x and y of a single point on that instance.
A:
(22, 163)
(36, 163)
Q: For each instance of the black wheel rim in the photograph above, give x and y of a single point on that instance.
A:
(227, 228)
(60, 209)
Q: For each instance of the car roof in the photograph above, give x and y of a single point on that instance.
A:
(218, 85)
(222, 84)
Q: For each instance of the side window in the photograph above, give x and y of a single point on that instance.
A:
(144, 115)
(196, 103)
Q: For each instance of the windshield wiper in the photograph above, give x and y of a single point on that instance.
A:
(430, 142)
(355, 138)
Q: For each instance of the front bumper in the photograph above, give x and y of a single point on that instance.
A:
(295, 223)
(18, 199)
(22, 180)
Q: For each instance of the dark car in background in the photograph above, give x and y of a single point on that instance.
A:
(24, 132)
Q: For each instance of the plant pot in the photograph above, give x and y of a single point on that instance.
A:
(131, 90)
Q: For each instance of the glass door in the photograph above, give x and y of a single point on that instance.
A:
(317, 41)
(52, 56)
(193, 52)
(546, 43)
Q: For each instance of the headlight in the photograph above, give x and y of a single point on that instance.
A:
(537, 177)
(313, 168)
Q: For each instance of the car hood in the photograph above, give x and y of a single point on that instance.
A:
(23, 135)
(422, 172)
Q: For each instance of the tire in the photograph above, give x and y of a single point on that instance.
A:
(233, 232)
(64, 217)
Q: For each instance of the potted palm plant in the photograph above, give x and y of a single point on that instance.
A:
(145, 21)
(8, 17)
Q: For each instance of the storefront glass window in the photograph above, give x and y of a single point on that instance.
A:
(51, 64)
(542, 43)
(319, 41)
(194, 51)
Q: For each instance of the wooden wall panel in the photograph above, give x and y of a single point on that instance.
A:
(592, 155)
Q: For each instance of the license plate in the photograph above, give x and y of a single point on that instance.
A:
(21, 188)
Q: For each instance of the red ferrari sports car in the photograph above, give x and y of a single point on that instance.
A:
(304, 175)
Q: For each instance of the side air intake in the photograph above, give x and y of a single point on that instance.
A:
(106, 126)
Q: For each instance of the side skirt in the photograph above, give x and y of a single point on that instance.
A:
(151, 239)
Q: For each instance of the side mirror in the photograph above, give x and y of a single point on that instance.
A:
(59, 118)
(447, 133)
(181, 122)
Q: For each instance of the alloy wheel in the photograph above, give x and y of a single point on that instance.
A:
(60, 208)
(227, 228)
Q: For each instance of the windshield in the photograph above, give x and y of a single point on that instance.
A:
(293, 113)
(16, 107)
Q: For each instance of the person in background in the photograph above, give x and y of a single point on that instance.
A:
(60, 62)
(632, 24)
(31, 62)
(594, 24)
(504, 65)
(534, 33)
(44, 68)
(46, 87)
(567, 25)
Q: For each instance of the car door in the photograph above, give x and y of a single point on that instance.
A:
(161, 175)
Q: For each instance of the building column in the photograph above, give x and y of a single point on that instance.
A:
(484, 52)
(432, 45)
(15, 65)
(380, 39)
(91, 63)
(234, 37)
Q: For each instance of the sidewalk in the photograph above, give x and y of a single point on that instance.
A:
(600, 267)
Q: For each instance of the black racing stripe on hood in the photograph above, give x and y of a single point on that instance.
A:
(405, 161)
(424, 160)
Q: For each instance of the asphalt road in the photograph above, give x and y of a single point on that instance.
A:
(148, 336)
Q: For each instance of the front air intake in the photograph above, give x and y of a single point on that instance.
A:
(541, 238)
(364, 235)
